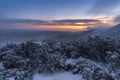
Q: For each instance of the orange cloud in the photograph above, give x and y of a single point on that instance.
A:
(62, 27)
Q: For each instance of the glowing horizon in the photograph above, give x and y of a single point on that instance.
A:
(62, 27)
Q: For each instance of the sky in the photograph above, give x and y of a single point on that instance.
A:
(58, 14)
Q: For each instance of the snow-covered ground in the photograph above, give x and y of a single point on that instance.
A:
(58, 76)
(2, 44)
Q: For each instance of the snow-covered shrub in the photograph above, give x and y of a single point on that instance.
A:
(9, 47)
(1, 66)
(112, 56)
(14, 74)
(40, 58)
(94, 58)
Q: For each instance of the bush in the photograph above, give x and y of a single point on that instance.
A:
(79, 56)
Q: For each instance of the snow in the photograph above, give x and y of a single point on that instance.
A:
(12, 78)
(113, 32)
(58, 76)
(2, 44)
(70, 61)
(1, 66)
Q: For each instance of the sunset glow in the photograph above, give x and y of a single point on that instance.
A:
(61, 27)
(108, 21)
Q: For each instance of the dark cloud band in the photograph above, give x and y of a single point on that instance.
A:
(52, 22)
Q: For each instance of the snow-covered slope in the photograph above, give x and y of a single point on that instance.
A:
(113, 32)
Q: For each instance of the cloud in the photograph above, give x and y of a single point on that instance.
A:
(21, 21)
(103, 6)
(77, 22)
(27, 23)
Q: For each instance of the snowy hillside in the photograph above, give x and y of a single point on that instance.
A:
(114, 32)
